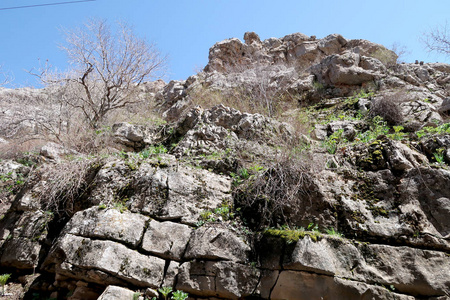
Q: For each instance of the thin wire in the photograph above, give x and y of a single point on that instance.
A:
(47, 4)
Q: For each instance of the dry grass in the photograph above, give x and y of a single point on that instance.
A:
(62, 189)
(259, 88)
(16, 148)
(245, 100)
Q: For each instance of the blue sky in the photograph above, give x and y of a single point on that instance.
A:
(185, 30)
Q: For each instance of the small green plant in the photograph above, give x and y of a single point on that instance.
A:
(220, 213)
(13, 182)
(377, 127)
(26, 161)
(256, 168)
(165, 291)
(3, 279)
(120, 207)
(243, 173)
(225, 212)
(179, 295)
(398, 134)
(102, 206)
(333, 232)
(293, 235)
(332, 142)
(136, 295)
(439, 155)
(159, 149)
(313, 227)
(429, 130)
(318, 87)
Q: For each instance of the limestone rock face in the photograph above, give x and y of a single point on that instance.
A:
(104, 262)
(221, 128)
(299, 285)
(403, 268)
(348, 68)
(21, 239)
(178, 192)
(272, 176)
(167, 239)
(131, 136)
(223, 279)
(111, 224)
(116, 293)
(216, 242)
(54, 151)
(232, 53)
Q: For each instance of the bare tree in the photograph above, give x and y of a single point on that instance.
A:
(5, 77)
(107, 68)
(401, 51)
(438, 40)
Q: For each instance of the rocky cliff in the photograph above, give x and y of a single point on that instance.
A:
(291, 168)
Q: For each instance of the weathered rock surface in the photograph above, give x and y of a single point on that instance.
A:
(217, 242)
(21, 239)
(305, 50)
(167, 239)
(177, 193)
(300, 285)
(402, 267)
(54, 151)
(116, 293)
(110, 224)
(223, 279)
(103, 262)
(174, 208)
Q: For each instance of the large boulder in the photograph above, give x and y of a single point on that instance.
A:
(305, 286)
(21, 237)
(177, 193)
(116, 293)
(348, 68)
(217, 242)
(103, 262)
(222, 279)
(108, 224)
(167, 239)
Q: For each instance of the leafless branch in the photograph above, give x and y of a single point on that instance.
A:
(5, 77)
(438, 40)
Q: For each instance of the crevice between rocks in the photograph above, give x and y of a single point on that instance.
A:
(274, 285)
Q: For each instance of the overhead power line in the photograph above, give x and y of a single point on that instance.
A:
(47, 4)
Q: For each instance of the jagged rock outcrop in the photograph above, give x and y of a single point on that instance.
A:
(296, 48)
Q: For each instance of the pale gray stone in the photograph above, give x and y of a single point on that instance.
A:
(217, 242)
(108, 224)
(104, 262)
(116, 293)
(166, 239)
(221, 279)
(306, 286)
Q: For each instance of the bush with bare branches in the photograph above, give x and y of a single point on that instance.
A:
(389, 108)
(272, 196)
(63, 189)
